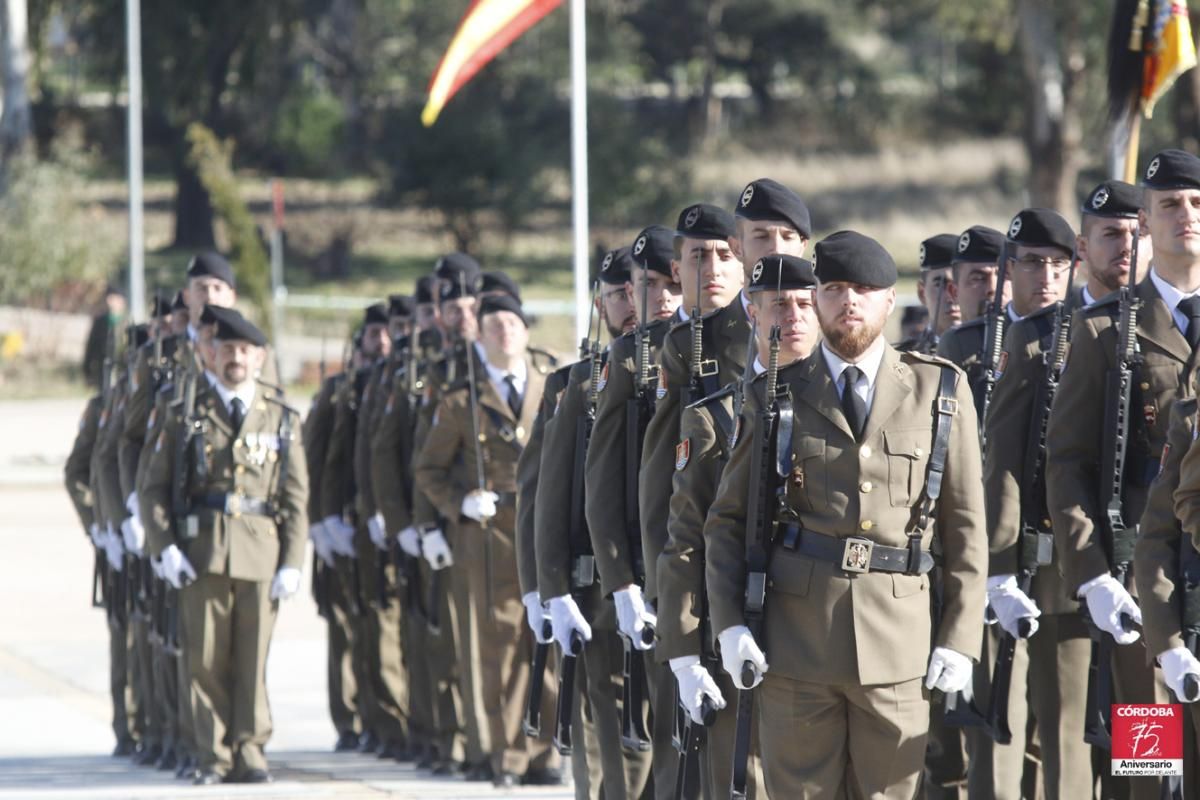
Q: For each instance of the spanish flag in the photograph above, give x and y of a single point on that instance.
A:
(1171, 51)
(488, 27)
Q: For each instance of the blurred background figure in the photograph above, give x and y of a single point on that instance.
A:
(105, 329)
(913, 322)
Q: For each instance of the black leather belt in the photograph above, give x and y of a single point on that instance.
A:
(229, 503)
(853, 554)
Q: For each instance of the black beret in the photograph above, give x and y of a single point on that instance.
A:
(231, 325)
(450, 266)
(765, 199)
(1041, 227)
(938, 251)
(454, 289)
(161, 306)
(615, 266)
(375, 314)
(1116, 199)
(178, 304)
(401, 305)
(781, 272)
(137, 335)
(654, 249)
(113, 288)
(850, 257)
(979, 244)
(704, 221)
(497, 281)
(1173, 169)
(426, 286)
(213, 265)
(501, 302)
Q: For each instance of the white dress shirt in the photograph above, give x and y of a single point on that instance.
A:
(1171, 296)
(245, 393)
(1086, 296)
(519, 373)
(868, 364)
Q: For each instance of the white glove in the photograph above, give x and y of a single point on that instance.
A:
(176, 567)
(114, 551)
(95, 535)
(436, 550)
(377, 530)
(565, 619)
(133, 534)
(738, 646)
(1107, 600)
(535, 615)
(156, 567)
(341, 536)
(695, 683)
(949, 671)
(1011, 605)
(321, 542)
(1177, 663)
(480, 505)
(633, 616)
(131, 505)
(286, 583)
(410, 541)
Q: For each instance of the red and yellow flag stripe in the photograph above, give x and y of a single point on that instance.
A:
(488, 27)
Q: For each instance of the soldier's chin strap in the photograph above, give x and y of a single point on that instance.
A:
(945, 408)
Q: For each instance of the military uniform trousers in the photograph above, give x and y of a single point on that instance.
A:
(468, 577)
(144, 679)
(716, 757)
(340, 677)
(487, 559)
(229, 623)
(995, 771)
(1135, 680)
(389, 684)
(437, 657)
(186, 744)
(622, 774)
(663, 704)
(821, 740)
(356, 631)
(124, 704)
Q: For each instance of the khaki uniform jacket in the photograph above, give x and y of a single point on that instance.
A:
(1161, 538)
(606, 464)
(338, 487)
(439, 377)
(392, 454)
(963, 345)
(1076, 430)
(318, 427)
(728, 329)
(529, 485)
(1010, 417)
(247, 462)
(179, 354)
(106, 473)
(552, 515)
(374, 403)
(77, 473)
(822, 625)
(700, 458)
(445, 469)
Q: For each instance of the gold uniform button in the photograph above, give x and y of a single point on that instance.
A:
(917, 452)
(867, 486)
(240, 469)
(865, 451)
(1145, 387)
(866, 525)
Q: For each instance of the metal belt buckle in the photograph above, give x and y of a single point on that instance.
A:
(507, 435)
(708, 367)
(856, 557)
(233, 504)
(948, 405)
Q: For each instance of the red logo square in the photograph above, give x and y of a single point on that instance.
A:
(1147, 739)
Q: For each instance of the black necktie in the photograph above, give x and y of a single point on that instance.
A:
(1190, 308)
(853, 406)
(237, 413)
(514, 397)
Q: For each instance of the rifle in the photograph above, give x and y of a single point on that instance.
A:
(691, 742)
(638, 411)
(532, 722)
(1035, 545)
(993, 343)
(583, 560)
(770, 462)
(1118, 538)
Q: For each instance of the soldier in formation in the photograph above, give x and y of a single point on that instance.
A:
(744, 547)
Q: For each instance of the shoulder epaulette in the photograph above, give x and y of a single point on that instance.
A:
(927, 358)
(279, 401)
(546, 355)
(271, 387)
(716, 396)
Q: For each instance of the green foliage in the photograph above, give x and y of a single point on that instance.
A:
(47, 233)
(307, 130)
(213, 161)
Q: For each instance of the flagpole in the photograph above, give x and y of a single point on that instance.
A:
(133, 49)
(579, 166)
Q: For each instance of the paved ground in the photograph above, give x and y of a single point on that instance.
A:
(54, 713)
